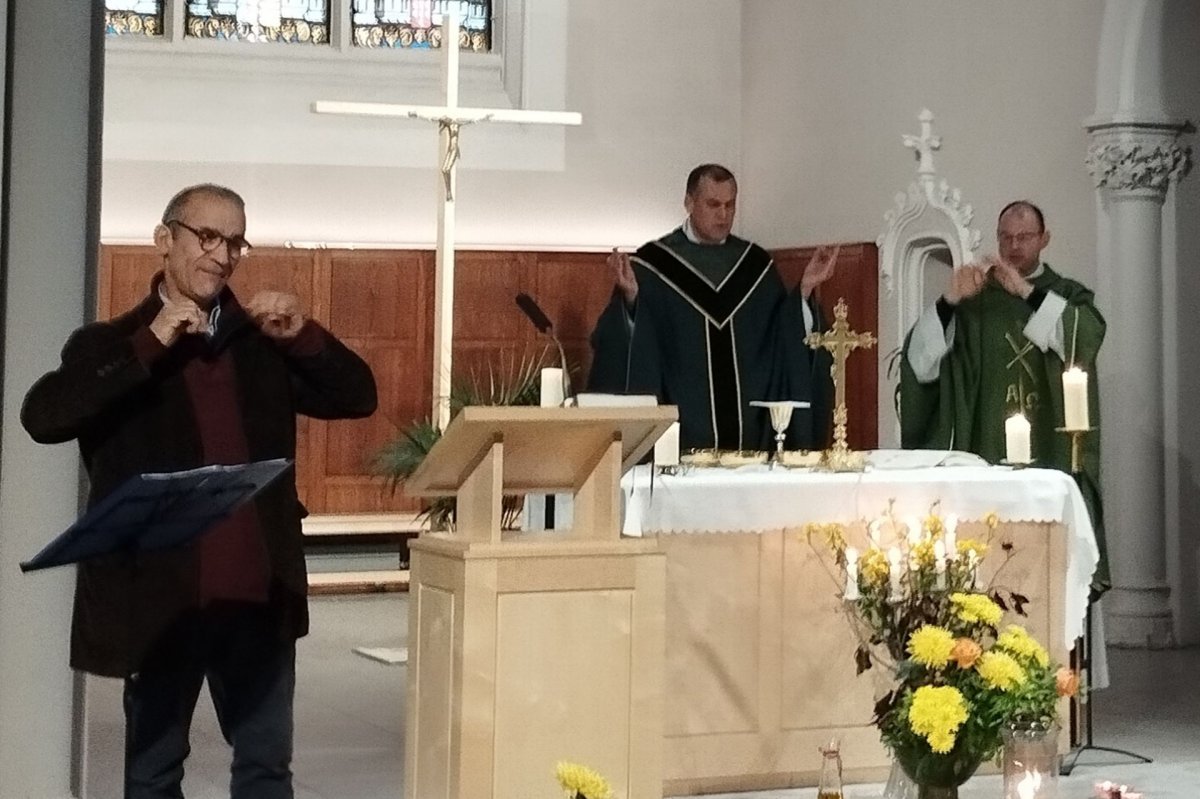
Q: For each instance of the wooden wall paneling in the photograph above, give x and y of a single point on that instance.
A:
(379, 304)
(492, 337)
(290, 271)
(857, 280)
(130, 271)
(573, 289)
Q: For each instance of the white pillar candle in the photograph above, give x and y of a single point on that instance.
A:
(1075, 399)
(851, 574)
(1016, 439)
(973, 565)
(939, 563)
(894, 593)
(552, 387)
(873, 532)
(666, 449)
(915, 530)
(950, 535)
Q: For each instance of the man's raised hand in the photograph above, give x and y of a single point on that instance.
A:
(622, 270)
(176, 318)
(820, 268)
(278, 315)
(965, 282)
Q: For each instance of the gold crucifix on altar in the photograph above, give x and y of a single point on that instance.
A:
(840, 340)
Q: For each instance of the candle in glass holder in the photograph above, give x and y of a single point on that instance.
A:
(873, 531)
(950, 535)
(939, 563)
(1075, 399)
(1016, 439)
(915, 530)
(851, 574)
(894, 593)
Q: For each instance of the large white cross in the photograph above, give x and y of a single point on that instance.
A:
(450, 118)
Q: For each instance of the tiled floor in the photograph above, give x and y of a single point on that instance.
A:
(350, 721)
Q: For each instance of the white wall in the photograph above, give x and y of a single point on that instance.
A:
(830, 87)
(658, 84)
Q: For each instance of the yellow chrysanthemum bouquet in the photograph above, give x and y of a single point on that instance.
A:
(581, 782)
(916, 603)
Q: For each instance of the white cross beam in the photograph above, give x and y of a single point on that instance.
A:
(450, 118)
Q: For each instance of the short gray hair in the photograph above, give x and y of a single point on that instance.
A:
(175, 207)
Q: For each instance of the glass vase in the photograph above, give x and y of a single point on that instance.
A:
(1031, 760)
(899, 785)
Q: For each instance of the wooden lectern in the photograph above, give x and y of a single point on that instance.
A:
(531, 648)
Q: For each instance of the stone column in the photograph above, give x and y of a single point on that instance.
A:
(53, 75)
(1133, 164)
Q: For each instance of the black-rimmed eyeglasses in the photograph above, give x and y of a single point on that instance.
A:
(210, 239)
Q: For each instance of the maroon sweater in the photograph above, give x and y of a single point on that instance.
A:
(233, 563)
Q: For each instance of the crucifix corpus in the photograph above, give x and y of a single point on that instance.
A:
(450, 118)
(840, 340)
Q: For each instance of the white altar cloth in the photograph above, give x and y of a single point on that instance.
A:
(757, 498)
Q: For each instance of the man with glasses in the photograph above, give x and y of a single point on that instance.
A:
(995, 344)
(191, 377)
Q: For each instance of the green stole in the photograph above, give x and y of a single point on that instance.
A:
(992, 371)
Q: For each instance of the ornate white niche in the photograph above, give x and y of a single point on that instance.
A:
(927, 232)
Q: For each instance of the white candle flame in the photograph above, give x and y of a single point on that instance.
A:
(1028, 787)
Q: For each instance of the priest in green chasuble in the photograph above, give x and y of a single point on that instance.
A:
(701, 319)
(997, 342)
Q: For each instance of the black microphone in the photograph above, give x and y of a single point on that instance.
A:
(544, 326)
(535, 313)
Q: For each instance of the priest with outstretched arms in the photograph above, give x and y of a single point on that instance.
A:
(701, 319)
(997, 343)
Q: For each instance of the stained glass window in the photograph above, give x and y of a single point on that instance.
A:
(133, 17)
(304, 21)
(415, 24)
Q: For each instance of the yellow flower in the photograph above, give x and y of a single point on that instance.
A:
(580, 782)
(874, 566)
(936, 713)
(933, 524)
(992, 520)
(966, 652)
(1066, 682)
(923, 552)
(1018, 641)
(977, 609)
(931, 646)
(1000, 670)
(966, 545)
(833, 533)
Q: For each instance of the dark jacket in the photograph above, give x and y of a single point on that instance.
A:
(131, 417)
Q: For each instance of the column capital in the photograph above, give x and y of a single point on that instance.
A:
(1137, 158)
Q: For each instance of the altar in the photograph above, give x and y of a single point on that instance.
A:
(760, 666)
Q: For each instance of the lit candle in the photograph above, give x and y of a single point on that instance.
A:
(939, 563)
(894, 574)
(950, 536)
(552, 387)
(666, 449)
(915, 530)
(1016, 439)
(1028, 787)
(1075, 399)
(851, 574)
